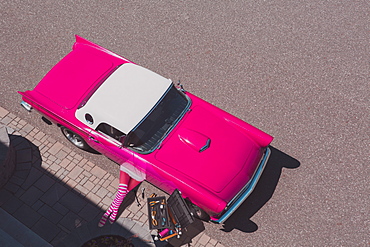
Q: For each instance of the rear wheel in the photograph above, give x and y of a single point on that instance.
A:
(75, 139)
(199, 213)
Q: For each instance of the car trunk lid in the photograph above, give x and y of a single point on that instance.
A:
(73, 76)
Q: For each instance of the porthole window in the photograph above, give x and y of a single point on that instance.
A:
(89, 119)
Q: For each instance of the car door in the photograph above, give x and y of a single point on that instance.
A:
(107, 144)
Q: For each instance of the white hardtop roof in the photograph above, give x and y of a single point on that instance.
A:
(125, 98)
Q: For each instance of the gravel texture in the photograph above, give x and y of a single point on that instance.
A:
(298, 70)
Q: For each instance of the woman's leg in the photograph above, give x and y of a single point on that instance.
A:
(124, 180)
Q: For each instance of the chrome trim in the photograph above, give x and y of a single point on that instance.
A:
(246, 191)
(174, 124)
(206, 146)
(26, 106)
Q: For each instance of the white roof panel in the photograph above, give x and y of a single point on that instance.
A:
(125, 98)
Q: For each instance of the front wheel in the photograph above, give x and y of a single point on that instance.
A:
(75, 139)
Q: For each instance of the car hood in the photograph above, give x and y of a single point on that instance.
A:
(206, 148)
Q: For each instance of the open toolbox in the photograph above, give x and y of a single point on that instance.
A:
(170, 216)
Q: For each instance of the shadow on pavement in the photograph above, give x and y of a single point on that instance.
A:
(262, 193)
(187, 235)
(51, 208)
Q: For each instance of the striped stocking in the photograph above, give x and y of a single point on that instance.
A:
(113, 209)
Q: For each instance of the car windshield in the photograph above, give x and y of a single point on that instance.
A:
(157, 124)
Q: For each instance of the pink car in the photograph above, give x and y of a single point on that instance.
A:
(159, 132)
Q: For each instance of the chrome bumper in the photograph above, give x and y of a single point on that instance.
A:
(246, 191)
(26, 106)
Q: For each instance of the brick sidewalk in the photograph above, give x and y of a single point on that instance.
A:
(61, 196)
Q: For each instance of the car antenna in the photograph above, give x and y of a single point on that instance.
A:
(181, 86)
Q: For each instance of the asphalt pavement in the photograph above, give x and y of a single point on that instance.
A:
(299, 70)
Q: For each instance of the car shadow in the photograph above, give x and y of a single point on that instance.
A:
(264, 190)
(51, 208)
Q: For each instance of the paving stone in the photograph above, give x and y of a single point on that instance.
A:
(209, 245)
(73, 201)
(71, 240)
(22, 174)
(4, 196)
(83, 180)
(16, 180)
(19, 142)
(138, 230)
(50, 213)
(89, 212)
(106, 176)
(98, 172)
(60, 172)
(24, 155)
(83, 190)
(54, 194)
(54, 168)
(115, 183)
(55, 148)
(71, 221)
(204, 239)
(85, 161)
(107, 200)
(32, 177)
(88, 185)
(31, 195)
(52, 159)
(27, 215)
(64, 163)
(76, 171)
(19, 192)
(45, 166)
(27, 128)
(6, 120)
(18, 231)
(102, 192)
(137, 216)
(126, 213)
(213, 242)
(60, 208)
(83, 233)
(77, 157)
(61, 154)
(128, 224)
(86, 174)
(3, 112)
(23, 166)
(37, 205)
(95, 230)
(11, 205)
(44, 183)
(13, 188)
(36, 142)
(46, 229)
(143, 218)
(39, 135)
(71, 183)
(11, 115)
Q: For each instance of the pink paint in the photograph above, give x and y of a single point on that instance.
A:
(209, 156)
